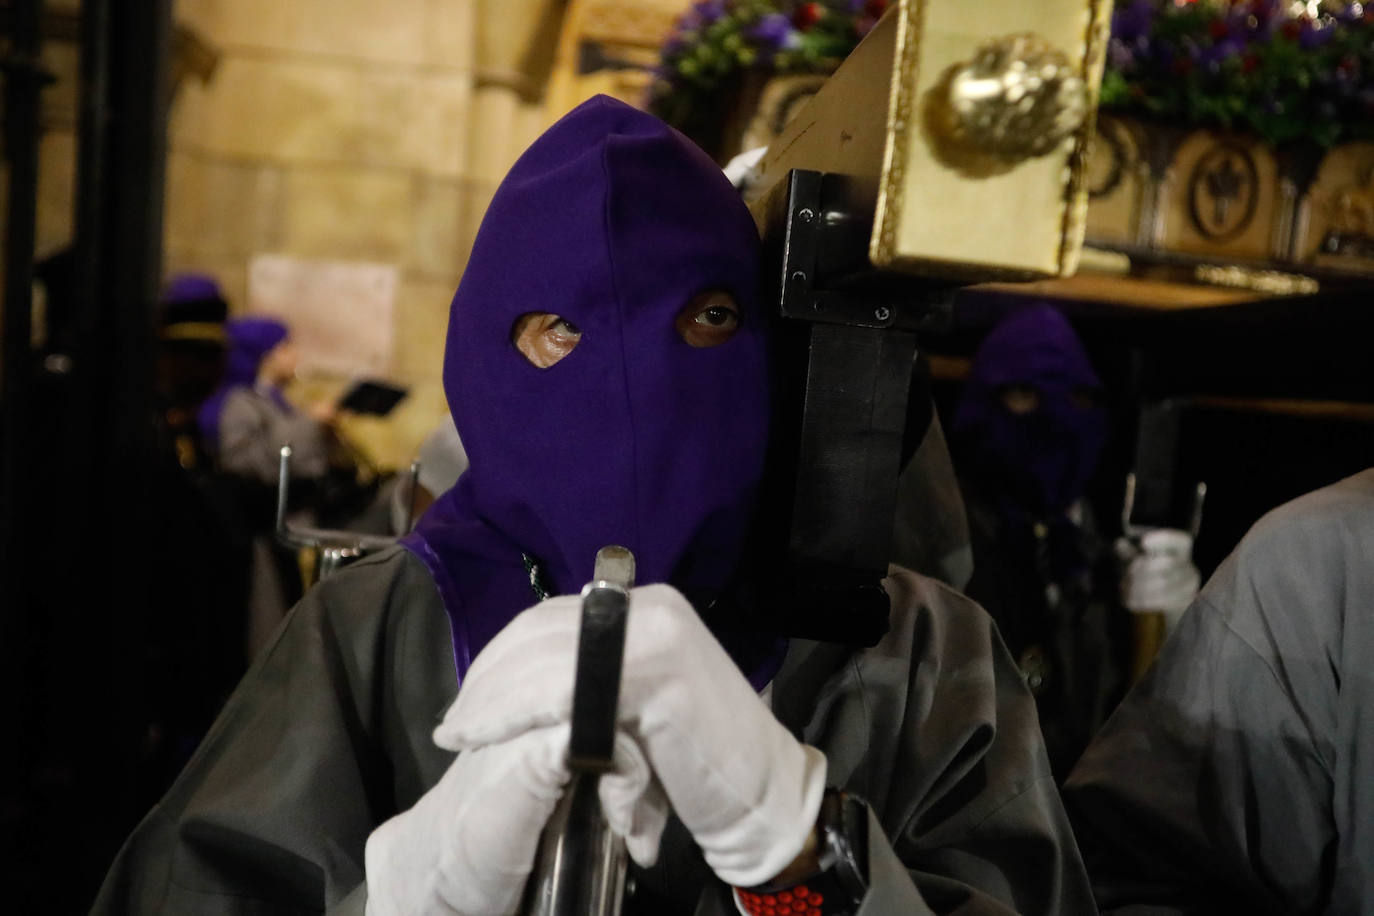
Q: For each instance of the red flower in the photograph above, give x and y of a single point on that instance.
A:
(1217, 29)
(807, 15)
(1291, 29)
(875, 8)
(1249, 63)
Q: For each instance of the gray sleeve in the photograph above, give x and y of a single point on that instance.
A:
(935, 728)
(320, 743)
(891, 889)
(252, 431)
(1210, 789)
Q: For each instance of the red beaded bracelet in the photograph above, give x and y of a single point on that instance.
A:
(795, 901)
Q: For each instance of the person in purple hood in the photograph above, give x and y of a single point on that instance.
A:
(608, 369)
(247, 419)
(1027, 436)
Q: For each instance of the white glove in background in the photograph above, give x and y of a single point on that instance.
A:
(1159, 574)
(741, 170)
(746, 789)
(468, 845)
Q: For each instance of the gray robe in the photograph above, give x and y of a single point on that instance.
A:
(252, 430)
(329, 735)
(1238, 776)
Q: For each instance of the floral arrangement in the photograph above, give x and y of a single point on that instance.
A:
(1289, 72)
(716, 42)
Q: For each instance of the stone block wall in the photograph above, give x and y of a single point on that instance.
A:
(371, 130)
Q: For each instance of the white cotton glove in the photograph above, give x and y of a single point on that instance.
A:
(468, 845)
(742, 170)
(746, 789)
(1159, 574)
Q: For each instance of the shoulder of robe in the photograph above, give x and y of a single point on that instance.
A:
(936, 707)
(245, 400)
(390, 590)
(1344, 509)
(1318, 544)
(932, 624)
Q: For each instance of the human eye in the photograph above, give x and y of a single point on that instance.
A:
(709, 319)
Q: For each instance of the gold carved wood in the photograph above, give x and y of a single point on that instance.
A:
(609, 47)
(1112, 178)
(1222, 197)
(1009, 213)
(1339, 226)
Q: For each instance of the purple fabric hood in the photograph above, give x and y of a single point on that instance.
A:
(613, 221)
(249, 341)
(1034, 465)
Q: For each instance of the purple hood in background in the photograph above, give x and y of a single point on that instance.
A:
(191, 288)
(613, 221)
(1038, 464)
(249, 340)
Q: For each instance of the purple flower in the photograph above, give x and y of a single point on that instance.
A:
(1350, 13)
(1211, 58)
(1313, 36)
(708, 11)
(774, 31)
(1120, 56)
(1134, 20)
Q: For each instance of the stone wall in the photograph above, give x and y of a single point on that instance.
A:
(370, 130)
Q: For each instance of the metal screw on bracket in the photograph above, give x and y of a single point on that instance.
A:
(806, 214)
(882, 313)
(799, 276)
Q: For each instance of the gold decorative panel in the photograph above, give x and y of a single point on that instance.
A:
(1222, 197)
(1339, 230)
(966, 122)
(1112, 178)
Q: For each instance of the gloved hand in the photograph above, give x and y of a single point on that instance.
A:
(467, 846)
(746, 789)
(1159, 573)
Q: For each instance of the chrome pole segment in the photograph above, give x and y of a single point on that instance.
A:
(581, 865)
(283, 485)
(414, 497)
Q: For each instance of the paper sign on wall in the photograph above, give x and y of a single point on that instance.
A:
(340, 312)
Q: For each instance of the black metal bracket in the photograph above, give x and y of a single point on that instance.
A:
(845, 350)
(826, 274)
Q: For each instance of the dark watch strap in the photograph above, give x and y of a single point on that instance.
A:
(840, 885)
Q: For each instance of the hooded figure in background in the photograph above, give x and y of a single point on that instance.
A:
(608, 366)
(247, 420)
(244, 425)
(191, 661)
(1027, 436)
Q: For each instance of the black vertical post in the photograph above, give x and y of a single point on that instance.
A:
(82, 617)
(23, 79)
(121, 156)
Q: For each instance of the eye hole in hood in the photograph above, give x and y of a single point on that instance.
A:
(544, 338)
